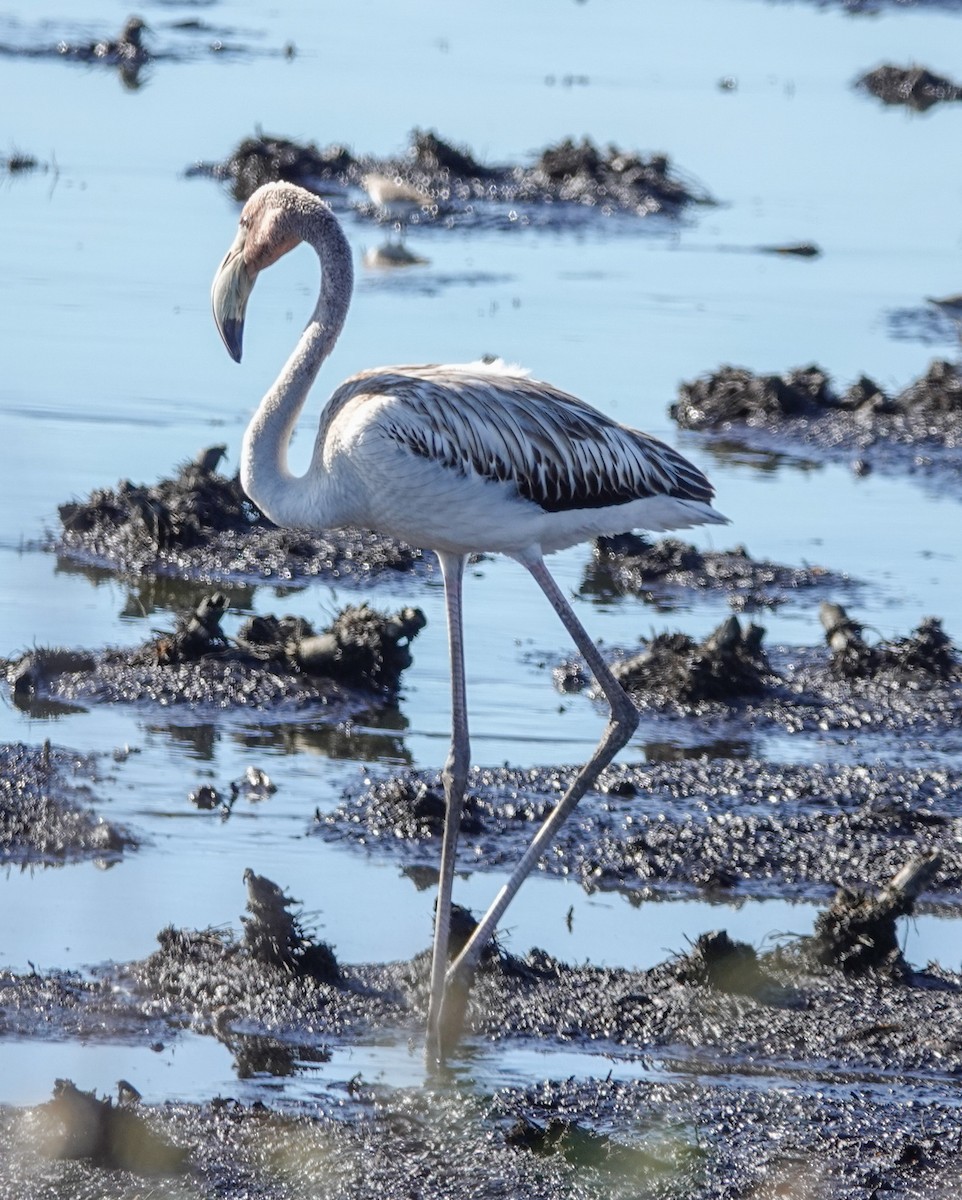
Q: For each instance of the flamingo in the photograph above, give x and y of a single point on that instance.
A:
(459, 459)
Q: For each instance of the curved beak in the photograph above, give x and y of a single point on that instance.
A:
(229, 293)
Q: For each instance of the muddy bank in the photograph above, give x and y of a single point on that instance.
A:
(716, 826)
(601, 1140)
(803, 1046)
(45, 813)
(918, 431)
(915, 87)
(273, 664)
(733, 684)
(199, 524)
(437, 182)
(721, 1000)
(665, 571)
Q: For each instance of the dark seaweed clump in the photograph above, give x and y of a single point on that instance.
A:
(857, 932)
(727, 666)
(455, 188)
(920, 429)
(265, 158)
(44, 810)
(925, 656)
(199, 524)
(631, 564)
(916, 87)
(275, 936)
(734, 394)
(908, 684)
(717, 962)
(271, 663)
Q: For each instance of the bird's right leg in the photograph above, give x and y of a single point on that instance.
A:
(620, 727)
(455, 778)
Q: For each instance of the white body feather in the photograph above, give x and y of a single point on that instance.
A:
(480, 457)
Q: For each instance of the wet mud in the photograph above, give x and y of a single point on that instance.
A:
(916, 432)
(908, 686)
(46, 818)
(198, 524)
(613, 1139)
(915, 87)
(270, 664)
(437, 182)
(725, 827)
(668, 571)
(835, 1081)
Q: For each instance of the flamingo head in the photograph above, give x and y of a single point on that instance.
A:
(269, 227)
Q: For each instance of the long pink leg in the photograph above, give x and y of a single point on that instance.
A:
(621, 725)
(455, 778)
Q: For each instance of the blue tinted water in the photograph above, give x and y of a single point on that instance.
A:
(112, 368)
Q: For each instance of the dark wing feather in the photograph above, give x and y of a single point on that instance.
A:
(558, 451)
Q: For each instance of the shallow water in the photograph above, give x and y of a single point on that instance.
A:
(113, 369)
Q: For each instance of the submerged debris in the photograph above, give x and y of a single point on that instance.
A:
(916, 87)
(76, 1125)
(858, 931)
(793, 249)
(21, 163)
(920, 429)
(631, 564)
(270, 663)
(199, 524)
(437, 181)
(45, 816)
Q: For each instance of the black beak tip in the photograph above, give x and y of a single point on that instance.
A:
(233, 335)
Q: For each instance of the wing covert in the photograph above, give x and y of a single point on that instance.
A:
(559, 452)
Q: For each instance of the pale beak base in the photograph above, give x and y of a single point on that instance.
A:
(229, 294)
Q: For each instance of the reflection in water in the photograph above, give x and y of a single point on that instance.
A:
(379, 739)
(423, 878)
(162, 594)
(150, 594)
(41, 709)
(195, 741)
(938, 324)
(258, 1055)
(729, 451)
(674, 752)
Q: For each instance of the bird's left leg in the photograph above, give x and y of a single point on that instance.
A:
(622, 724)
(455, 778)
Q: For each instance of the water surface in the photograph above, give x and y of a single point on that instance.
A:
(112, 369)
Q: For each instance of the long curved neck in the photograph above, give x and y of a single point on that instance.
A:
(291, 500)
